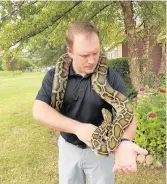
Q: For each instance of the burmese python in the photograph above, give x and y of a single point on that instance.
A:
(124, 111)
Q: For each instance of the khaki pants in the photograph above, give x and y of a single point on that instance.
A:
(77, 164)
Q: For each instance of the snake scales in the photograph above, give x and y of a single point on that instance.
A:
(124, 111)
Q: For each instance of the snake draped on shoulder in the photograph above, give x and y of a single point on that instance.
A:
(107, 136)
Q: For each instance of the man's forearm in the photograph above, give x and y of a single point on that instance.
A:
(53, 119)
(130, 132)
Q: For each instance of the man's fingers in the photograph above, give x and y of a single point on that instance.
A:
(130, 169)
(119, 169)
(88, 144)
(105, 137)
(116, 168)
(139, 150)
(133, 168)
(125, 169)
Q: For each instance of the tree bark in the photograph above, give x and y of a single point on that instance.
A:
(162, 69)
(130, 30)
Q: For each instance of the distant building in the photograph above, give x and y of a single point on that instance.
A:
(115, 52)
(122, 51)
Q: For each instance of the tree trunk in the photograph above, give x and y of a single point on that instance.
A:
(130, 30)
(162, 69)
(148, 42)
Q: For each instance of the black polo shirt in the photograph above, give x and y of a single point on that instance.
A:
(81, 102)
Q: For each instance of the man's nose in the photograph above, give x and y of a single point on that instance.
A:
(91, 59)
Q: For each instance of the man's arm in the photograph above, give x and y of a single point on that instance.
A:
(125, 154)
(55, 120)
(130, 132)
(116, 81)
(52, 118)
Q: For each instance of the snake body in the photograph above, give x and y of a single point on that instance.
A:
(112, 132)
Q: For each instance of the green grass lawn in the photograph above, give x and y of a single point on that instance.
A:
(28, 154)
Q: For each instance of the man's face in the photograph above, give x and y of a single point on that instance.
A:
(85, 53)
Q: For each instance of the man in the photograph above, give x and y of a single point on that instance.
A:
(81, 114)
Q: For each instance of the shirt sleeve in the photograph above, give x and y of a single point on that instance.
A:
(116, 81)
(44, 94)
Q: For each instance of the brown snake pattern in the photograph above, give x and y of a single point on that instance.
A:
(113, 131)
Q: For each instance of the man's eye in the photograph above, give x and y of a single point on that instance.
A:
(84, 56)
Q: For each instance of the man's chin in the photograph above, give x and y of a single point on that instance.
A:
(89, 71)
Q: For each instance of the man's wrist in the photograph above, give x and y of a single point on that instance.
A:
(75, 127)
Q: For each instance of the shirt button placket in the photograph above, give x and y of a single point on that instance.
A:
(81, 87)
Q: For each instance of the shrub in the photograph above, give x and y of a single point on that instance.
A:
(25, 63)
(28, 63)
(163, 80)
(150, 112)
(122, 67)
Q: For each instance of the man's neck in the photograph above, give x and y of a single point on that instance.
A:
(77, 72)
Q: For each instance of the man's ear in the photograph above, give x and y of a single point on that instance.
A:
(69, 51)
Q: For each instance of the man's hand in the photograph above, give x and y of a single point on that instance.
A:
(125, 157)
(84, 132)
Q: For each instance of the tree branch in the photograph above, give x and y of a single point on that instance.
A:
(53, 20)
(99, 11)
(16, 10)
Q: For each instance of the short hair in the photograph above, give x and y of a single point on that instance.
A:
(79, 28)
